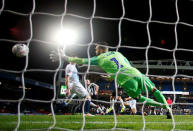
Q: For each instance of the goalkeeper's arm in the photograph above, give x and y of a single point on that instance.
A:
(93, 60)
(54, 56)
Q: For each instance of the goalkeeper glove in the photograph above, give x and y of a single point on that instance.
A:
(54, 56)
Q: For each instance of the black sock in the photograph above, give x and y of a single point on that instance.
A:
(87, 106)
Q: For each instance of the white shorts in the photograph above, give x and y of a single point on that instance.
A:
(77, 88)
(131, 103)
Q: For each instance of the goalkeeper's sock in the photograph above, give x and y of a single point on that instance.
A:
(149, 101)
(160, 98)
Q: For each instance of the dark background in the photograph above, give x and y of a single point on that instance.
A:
(164, 42)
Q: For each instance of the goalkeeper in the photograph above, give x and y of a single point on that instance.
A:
(129, 78)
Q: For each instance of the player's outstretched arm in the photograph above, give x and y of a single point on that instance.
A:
(54, 56)
(93, 60)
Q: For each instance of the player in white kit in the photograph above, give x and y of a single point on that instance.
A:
(132, 103)
(74, 86)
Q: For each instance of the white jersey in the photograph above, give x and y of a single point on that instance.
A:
(131, 103)
(74, 83)
(92, 88)
(72, 72)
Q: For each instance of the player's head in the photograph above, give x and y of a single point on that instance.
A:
(101, 47)
(87, 81)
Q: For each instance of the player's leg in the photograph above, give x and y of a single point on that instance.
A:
(151, 102)
(134, 111)
(122, 103)
(156, 93)
(133, 88)
(98, 108)
(112, 101)
(70, 97)
(87, 105)
(91, 103)
(83, 93)
(133, 107)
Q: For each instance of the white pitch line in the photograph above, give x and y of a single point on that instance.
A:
(93, 122)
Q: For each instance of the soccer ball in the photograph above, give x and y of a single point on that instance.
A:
(20, 50)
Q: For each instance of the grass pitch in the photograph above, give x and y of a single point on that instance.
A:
(75, 122)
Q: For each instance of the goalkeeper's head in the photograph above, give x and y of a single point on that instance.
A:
(101, 47)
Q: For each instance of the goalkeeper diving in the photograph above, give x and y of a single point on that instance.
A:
(119, 68)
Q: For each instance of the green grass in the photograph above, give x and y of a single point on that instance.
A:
(75, 122)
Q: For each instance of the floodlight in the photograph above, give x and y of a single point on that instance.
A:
(66, 36)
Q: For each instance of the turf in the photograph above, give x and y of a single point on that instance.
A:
(75, 122)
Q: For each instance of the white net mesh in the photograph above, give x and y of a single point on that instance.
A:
(156, 42)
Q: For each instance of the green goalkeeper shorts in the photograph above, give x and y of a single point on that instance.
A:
(135, 86)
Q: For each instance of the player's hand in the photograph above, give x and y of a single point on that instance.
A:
(107, 77)
(54, 56)
(67, 92)
(64, 57)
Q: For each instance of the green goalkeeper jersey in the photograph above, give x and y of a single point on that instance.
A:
(113, 63)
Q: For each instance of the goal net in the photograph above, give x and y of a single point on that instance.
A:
(155, 36)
